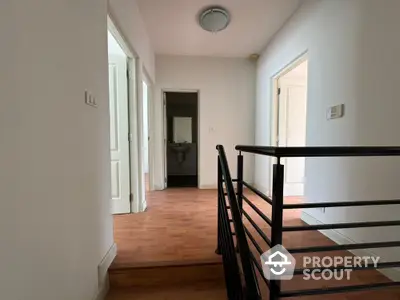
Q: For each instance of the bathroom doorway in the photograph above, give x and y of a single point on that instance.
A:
(182, 139)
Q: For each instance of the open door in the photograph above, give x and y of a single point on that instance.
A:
(119, 134)
(292, 110)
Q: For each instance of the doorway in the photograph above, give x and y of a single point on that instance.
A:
(182, 139)
(290, 119)
(119, 127)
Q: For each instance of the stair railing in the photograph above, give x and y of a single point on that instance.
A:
(276, 220)
(240, 277)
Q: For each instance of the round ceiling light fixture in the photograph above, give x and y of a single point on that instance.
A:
(214, 19)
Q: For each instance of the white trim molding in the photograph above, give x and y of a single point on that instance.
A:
(103, 290)
(340, 239)
(106, 263)
(102, 271)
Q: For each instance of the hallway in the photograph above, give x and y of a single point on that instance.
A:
(179, 226)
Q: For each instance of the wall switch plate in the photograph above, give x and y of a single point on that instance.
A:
(335, 112)
(90, 99)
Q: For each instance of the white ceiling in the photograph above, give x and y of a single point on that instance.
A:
(173, 26)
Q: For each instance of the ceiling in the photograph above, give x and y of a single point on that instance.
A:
(173, 26)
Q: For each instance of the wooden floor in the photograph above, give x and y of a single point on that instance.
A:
(179, 227)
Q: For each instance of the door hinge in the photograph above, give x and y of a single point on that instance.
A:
(279, 91)
(129, 73)
(130, 197)
(165, 181)
(130, 137)
(165, 99)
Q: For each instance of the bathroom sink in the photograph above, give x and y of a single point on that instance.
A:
(180, 151)
(179, 147)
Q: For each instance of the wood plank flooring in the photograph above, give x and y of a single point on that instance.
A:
(179, 228)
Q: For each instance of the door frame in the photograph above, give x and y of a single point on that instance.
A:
(142, 75)
(274, 126)
(134, 94)
(164, 105)
(150, 116)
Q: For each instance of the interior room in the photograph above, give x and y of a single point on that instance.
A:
(182, 139)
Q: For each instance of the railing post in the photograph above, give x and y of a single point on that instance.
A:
(219, 181)
(240, 181)
(239, 189)
(277, 220)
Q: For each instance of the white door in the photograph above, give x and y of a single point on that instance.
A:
(292, 131)
(119, 131)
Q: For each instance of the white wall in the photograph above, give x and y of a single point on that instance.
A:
(55, 221)
(127, 17)
(353, 52)
(226, 108)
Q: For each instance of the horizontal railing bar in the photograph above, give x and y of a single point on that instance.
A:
(258, 248)
(334, 290)
(226, 194)
(257, 210)
(341, 226)
(320, 151)
(258, 192)
(383, 265)
(345, 247)
(259, 269)
(257, 228)
(341, 204)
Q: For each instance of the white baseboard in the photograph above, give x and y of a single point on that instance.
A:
(102, 273)
(208, 187)
(158, 187)
(103, 290)
(340, 239)
(143, 207)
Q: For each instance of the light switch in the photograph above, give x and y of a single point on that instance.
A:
(335, 112)
(90, 99)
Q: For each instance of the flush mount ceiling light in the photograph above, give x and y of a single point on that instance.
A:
(214, 19)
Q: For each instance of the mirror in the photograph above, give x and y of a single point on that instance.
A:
(182, 129)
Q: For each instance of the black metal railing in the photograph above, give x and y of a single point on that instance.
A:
(243, 234)
(240, 277)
